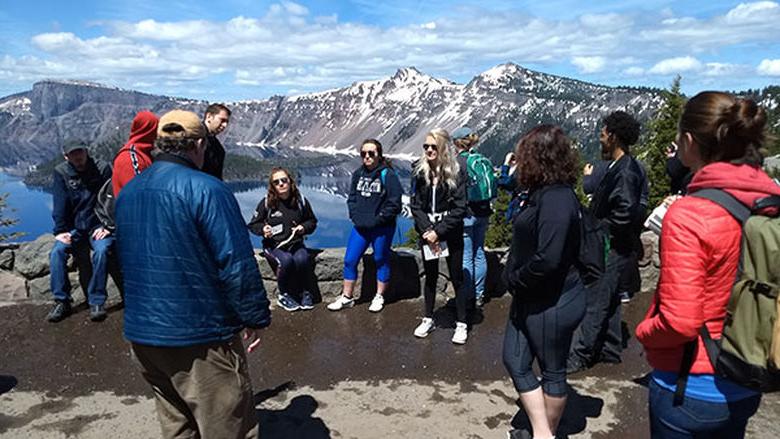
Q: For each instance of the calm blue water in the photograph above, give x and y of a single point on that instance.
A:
(32, 207)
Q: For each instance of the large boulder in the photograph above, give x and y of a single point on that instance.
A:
(7, 259)
(12, 287)
(32, 258)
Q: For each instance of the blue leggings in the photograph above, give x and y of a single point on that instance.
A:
(380, 238)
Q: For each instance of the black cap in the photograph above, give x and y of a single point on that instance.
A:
(72, 145)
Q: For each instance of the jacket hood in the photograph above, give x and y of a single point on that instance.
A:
(746, 183)
(143, 131)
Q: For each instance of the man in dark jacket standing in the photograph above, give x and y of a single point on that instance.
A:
(216, 119)
(617, 203)
(77, 228)
(191, 286)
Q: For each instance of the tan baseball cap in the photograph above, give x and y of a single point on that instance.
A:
(181, 123)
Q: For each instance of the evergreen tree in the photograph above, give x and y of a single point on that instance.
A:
(661, 132)
(499, 232)
(5, 221)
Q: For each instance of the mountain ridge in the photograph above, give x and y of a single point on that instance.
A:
(500, 104)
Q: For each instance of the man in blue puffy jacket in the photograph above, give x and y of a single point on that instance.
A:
(191, 286)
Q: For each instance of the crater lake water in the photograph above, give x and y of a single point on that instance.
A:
(327, 195)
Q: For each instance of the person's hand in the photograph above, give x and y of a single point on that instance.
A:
(267, 231)
(430, 236)
(100, 233)
(252, 337)
(668, 201)
(588, 169)
(298, 230)
(671, 151)
(63, 238)
(509, 159)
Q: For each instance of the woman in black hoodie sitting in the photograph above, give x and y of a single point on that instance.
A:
(548, 299)
(439, 206)
(283, 218)
(374, 202)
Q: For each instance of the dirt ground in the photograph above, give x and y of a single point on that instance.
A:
(319, 374)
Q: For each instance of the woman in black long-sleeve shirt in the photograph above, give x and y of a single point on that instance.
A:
(548, 296)
(438, 205)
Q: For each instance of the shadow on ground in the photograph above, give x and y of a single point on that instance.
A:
(296, 421)
(575, 417)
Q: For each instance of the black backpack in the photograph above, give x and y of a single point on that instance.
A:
(594, 247)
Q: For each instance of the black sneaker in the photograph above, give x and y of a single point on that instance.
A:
(59, 312)
(287, 302)
(519, 434)
(307, 302)
(573, 366)
(97, 313)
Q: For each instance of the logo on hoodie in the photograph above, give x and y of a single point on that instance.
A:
(368, 186)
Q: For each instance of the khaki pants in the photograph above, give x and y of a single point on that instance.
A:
(201, 391)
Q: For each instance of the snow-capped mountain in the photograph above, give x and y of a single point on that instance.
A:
(500, 104)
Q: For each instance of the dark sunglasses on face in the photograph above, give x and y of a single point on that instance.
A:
(281, 181)
(427, 146)
(365, 154)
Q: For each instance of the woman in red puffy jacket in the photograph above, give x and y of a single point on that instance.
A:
(718, 138)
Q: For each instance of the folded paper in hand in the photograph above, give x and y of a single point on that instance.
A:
(429, 254)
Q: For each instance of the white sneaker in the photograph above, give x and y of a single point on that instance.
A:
(341, 303)
(377, 303)
(461, 333)
(424, 328)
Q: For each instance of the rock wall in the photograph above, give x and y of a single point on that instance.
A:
(24, 273)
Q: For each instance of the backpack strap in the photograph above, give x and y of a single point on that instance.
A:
(382, 176)
(685, 370)
(726, 201)
(134, 160)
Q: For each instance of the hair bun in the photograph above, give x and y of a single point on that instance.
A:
(748, 120)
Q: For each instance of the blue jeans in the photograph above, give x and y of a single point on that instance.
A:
(695, 418)
(474, 262)
(80, 244)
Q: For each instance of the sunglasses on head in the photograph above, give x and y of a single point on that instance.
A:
(427, 146)
(365, 154)
(281, 181)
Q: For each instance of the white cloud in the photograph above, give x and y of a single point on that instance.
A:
(589, 64)
(752, 12)
(289, 48)
(769, 67)
(634, 71)
(676, 65)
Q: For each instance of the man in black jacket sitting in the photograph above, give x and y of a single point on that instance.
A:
(77, 228)
(616, 202)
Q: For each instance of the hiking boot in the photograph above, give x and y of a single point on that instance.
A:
(97, 313)
(461, 333)
(377, 303)
(287, 303)
(341, 303)
(424, 328)
(625, 297)
(574, 366)
(59, 312)
(307, 302)
(480, 301)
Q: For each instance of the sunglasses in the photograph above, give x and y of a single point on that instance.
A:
(365, 154)
(281, 181)
(427, 146)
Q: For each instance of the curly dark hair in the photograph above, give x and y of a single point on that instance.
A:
(545, 156)
(623, 126)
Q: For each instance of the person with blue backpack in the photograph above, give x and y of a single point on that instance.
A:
(374, 202)
(481, 188)
(716, 263)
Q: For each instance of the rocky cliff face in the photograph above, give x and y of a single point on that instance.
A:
(500, 104)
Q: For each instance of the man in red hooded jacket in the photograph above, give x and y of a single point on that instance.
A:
(136, 154)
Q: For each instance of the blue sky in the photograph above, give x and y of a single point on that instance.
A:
(249, 49)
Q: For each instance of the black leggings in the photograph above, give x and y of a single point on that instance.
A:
(543, 331)
(455, 267)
